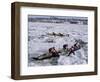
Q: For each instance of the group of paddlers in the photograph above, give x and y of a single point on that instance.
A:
(52, 52)
(58, 34)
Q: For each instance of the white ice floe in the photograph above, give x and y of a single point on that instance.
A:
(41, 42)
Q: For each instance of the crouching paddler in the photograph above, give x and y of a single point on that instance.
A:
(52, 53)
(64, 50)
(74, 48)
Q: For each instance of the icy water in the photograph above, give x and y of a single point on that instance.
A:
(40, 40)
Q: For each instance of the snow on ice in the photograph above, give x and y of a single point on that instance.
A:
(40, 39)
